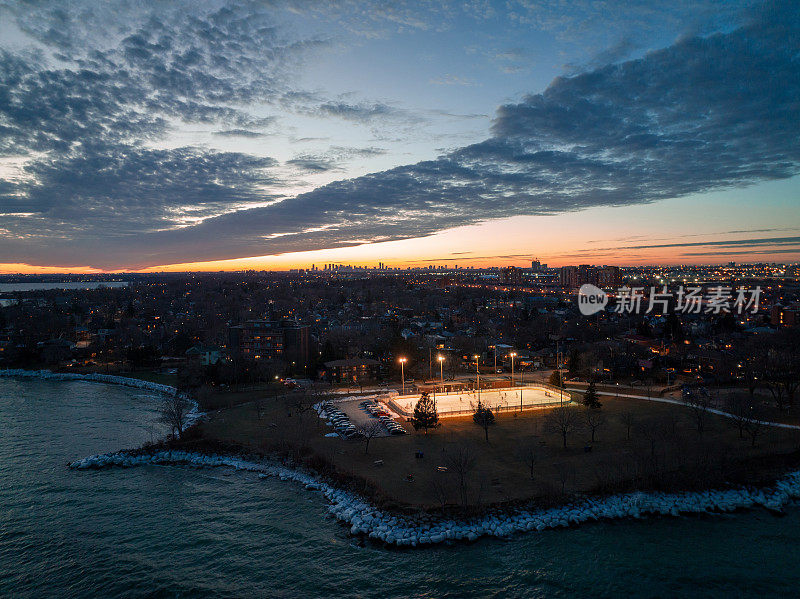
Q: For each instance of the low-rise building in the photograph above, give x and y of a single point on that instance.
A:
(206, 354)
(260, 340)
(351, 370)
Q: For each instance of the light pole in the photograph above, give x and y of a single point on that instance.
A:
(478, 373)
(439, 357)
(513, 355)
(403, 375)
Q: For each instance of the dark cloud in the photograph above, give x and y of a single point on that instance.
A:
(105, 83)
(749, 252)
(616, 52)
(316, 164)
(591, 21)
(333, 159)
(706, 113)
(651, 239)
(365, 112)
(128, 84)
(239, 133)
(772, 243)
(110, 192)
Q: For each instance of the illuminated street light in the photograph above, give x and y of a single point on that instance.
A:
(403, 375)
(514, 355)
(478, 373)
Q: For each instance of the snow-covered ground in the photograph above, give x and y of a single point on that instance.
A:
(401, 530)
(502, 399)
(359, 390)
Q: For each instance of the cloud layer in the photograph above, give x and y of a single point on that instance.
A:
(706, 113)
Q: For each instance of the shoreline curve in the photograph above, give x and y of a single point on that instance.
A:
(400, 530)
(109, 379)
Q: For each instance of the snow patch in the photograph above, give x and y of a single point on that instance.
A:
(409, 531)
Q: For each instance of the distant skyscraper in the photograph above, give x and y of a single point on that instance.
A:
(568, 276)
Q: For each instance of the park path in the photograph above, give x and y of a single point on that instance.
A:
(678, 402)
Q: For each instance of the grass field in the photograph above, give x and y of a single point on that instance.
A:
(664, 451)
(153, 377)
(220, 399)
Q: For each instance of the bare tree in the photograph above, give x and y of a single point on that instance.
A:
(671, 419)
(747, 354)
(440, 486)
(562, 421)
(754, 426)
(528, 454)
(777, 366)
(174, 412)
(739, 408)
(653, 431)
(773, 375)
(747, 416)
(461, 462)
(301, 403)
(593, 419)
(698, 403)
(649, 383)
(258, 403)
(627, 419)
(566, 474)
(370, 430)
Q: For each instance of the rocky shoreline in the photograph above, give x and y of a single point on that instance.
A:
(399, 530)
(402, 530)
(108, 379)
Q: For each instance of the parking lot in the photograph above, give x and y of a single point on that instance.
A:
(361, 418)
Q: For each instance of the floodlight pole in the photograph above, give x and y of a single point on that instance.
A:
(478, 373)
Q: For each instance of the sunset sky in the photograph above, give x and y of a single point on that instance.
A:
(274, 135)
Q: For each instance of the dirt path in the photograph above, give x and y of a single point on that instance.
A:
(678, 402)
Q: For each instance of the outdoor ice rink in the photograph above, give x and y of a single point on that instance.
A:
(453, 404)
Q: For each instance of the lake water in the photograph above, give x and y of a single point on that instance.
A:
(185, 532)
(9, 287)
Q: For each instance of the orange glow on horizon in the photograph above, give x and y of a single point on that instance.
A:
(33, 269)
(620, 236)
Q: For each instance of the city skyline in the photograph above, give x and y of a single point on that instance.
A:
(284, 135)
